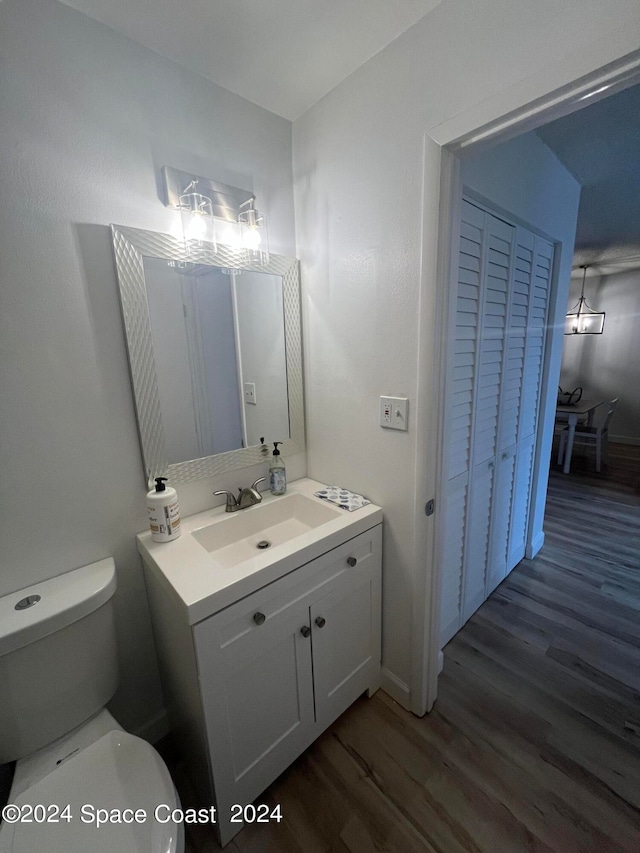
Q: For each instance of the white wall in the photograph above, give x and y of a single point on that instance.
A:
(87, 119)
(608, 365)
(526, 179)
(360, 163)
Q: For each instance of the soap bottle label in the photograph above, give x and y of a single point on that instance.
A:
(278, 481)
(164, 521)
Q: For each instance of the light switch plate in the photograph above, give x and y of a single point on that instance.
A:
(250, 393)
(394, 412)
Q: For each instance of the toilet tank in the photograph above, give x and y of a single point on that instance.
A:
(58, 664)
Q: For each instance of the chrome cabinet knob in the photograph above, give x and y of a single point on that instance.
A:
(351, 561)
(305, 630)
(259, 618)
(321, 621)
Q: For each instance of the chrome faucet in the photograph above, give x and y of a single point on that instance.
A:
(247, 497)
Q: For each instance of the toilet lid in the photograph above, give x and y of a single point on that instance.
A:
(116, 773)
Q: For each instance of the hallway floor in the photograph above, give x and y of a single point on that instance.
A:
(534, 742)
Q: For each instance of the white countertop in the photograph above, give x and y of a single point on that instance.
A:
(193, 578)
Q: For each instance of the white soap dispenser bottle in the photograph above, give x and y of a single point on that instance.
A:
(277, 472)
(164, 512)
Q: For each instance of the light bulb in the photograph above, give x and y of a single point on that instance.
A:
(255, 240)
(198, 227)
(252, 238)
(229, 234)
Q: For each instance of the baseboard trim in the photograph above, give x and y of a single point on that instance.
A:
(534, 546)
(396, 688)
(155, 728)
(624, 439)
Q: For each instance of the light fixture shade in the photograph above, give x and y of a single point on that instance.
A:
(584, 323)
(254, 236)
(198, 224)
(229, 235)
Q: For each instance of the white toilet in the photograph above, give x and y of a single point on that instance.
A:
(58, 670)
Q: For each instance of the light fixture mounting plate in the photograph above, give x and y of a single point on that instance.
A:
(226, 200)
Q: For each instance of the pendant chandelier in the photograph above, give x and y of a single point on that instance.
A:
(582, 320)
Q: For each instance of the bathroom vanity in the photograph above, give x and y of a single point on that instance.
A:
(262, 647)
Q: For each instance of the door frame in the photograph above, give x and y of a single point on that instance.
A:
(515, 112)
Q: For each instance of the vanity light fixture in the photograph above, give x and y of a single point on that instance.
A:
(215, 214)
(582, 320)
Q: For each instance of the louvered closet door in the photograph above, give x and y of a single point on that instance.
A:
(493, 389)
(510, 410)
(534, 264)
(476, 556)
(501, 518)
(486, 501)
(464, 332)
(541, 268)
(454, 515)
(521, 501)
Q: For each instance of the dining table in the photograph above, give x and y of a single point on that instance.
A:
(574, 411)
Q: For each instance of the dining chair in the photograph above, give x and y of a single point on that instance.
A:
(560, 425)
(597, 433)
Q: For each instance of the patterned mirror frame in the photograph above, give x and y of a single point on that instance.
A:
(131, 246)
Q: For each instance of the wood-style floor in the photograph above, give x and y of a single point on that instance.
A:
(534, 742)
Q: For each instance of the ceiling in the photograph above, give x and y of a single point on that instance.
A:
(600, 146)
(283, 55)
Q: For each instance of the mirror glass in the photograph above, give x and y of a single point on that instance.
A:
(219, 351)
(214, 352)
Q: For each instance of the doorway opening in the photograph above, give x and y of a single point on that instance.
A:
(445, 147)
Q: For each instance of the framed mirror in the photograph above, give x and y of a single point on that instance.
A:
(214, 352)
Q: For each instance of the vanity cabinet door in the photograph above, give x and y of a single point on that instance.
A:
(257, 694)
(280, 665)
(345, 623)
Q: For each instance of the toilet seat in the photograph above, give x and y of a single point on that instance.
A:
(117, 772)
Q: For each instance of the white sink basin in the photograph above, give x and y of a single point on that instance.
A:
(216, 561)
(249, 532)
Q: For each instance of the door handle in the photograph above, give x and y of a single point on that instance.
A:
(305, 630)
(321, 621)
(351, 561)
(259, 618)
